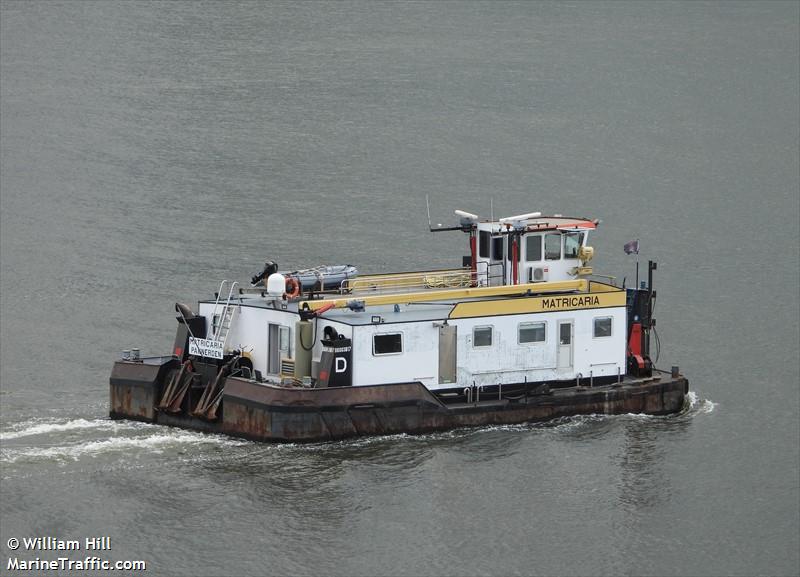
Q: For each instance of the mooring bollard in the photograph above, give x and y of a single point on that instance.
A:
(676, 372)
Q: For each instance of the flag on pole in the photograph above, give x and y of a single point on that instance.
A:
(632, 247)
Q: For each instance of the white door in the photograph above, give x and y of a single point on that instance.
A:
(565, 341)
(273, 350)
(498, 271)
(448, 342)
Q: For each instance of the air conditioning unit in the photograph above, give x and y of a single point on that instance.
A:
(538, 274)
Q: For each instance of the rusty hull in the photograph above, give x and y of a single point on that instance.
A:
(269, 413)
(266, 412)
(135, 387)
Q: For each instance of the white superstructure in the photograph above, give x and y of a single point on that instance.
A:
(522, 310)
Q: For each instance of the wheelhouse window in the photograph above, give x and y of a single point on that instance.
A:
(497, 248)
(572, 243)
(552, 246)
(484, 239)
(532, 333)
(482, 337)
(602, 327)
(387, 344)
(533, 248)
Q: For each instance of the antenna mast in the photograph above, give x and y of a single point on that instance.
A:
(428, 204)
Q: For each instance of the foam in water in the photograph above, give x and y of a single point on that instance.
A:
(698, 405)
(138, 436)
(29, 429)
(159, 440)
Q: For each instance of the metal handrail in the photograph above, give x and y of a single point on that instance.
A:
(495, 275)
(216, 304)
(215, 335)
(593, 365)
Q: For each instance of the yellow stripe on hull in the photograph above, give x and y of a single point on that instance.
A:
(581, 285)
(538, 304)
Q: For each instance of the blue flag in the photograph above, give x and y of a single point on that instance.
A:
(632, 247)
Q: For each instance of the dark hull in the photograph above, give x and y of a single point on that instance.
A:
(269, 413)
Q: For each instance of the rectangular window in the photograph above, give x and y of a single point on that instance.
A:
(552, 246)
(484, 239)
(482, 337)
(572, 243)
(533, 248)
(602, 327)
(497, 248)
(532, 333)
(387, 344)
(565, 333)
(284, 341)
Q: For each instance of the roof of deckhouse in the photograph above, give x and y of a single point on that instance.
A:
(450, 295)
(550, 222)
(434, 310)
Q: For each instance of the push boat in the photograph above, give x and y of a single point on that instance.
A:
(523, 331)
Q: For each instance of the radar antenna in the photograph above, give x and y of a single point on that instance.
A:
(519, 217)
(468, 220)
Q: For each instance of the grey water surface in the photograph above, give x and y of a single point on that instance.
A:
(150, 149)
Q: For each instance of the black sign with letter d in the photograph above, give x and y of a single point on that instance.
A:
(341, 369)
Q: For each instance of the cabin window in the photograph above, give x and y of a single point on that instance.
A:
(284, 341)
(602, 327)
(387, 344)
(482, 337)
(484, 239)
(552, 246)
(572, 243)
(565, 333)
(533, 248)
(497, 248)
(532, 333)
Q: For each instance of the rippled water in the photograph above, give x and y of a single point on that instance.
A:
(148, 150)
(338, 507)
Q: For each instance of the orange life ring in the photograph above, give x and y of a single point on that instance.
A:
(292, 288)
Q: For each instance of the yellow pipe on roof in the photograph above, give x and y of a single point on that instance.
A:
(581, 285)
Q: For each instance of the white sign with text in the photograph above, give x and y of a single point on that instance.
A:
(205, 348)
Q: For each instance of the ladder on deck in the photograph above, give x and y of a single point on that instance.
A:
(223, 327)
